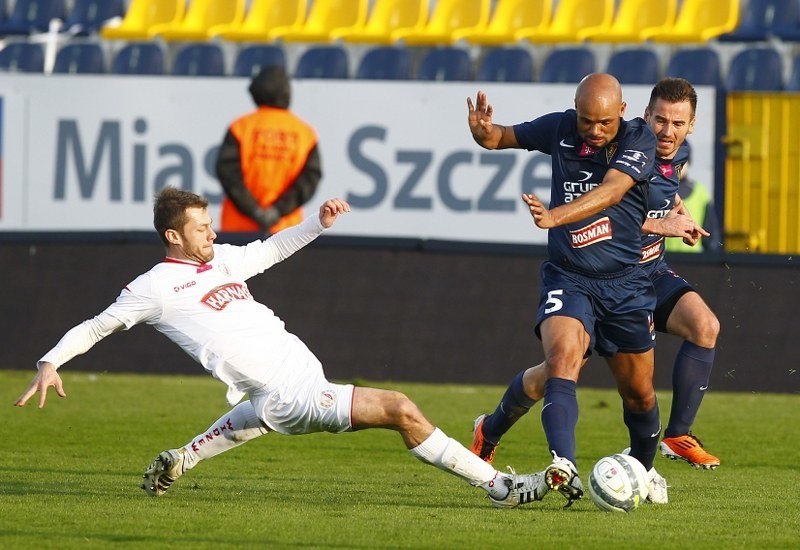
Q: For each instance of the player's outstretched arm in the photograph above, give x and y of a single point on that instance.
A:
(486, 133)
(330, 210)
(46, 377)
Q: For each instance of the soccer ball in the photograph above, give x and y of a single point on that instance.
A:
(618, 483)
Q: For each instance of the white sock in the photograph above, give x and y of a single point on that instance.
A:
(451, 456)
(237, 426)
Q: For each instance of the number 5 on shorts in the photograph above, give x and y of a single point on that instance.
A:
(553, 304)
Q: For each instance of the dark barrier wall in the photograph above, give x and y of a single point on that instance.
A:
(389, 314)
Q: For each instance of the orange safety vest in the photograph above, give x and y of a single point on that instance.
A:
(274, 145)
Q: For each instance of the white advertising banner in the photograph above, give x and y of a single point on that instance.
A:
(88, 153)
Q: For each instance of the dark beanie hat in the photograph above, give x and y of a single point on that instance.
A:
(270, 87)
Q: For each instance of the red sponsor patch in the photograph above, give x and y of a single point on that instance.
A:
(586, 151)
(651, 252)
(221, 296)
(599, 230)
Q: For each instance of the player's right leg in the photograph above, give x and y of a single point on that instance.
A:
(236, 427)
(376, 408)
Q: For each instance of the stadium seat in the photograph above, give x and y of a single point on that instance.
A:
(634, 66)
(323, 62)
(507, 19)
(445, 64)
(700, 21)
(761, 18)
(139, 58)
(80, 58)
(787, 23)
(251, 59)
(22, 57)
(261, 18)
(141, 16)
(573, 21)
(448, 17)
(700, 66)
(506, 65)
(386, 17)
(200, 17)
(755, 69)
(385, 63)
(88, 16)
(32, 16)
(199, 60)
(568, 65)
(793, 83)
(636, 20)
(323, 17)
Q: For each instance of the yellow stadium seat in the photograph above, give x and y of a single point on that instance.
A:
(201, 16)
(261, 18)
(323, 17)
(638, 20)
(142, 15)
(386, 17)
(448, 17)
(508, 18)
(700, 21)
(573, 21)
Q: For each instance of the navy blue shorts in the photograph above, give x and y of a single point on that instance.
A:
(669, 288)
(617, 312)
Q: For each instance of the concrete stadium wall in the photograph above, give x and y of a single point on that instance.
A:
(389, 313)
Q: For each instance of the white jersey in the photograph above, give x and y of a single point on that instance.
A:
(209, 312)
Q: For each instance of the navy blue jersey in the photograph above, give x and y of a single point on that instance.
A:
(611, 240)
(664, 182)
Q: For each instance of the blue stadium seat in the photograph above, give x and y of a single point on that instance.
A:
(755, 69)
(80, 58)
(793, 84)
(506, 65)
(30, 16)
(323, 62)
(700, 66)
(634, 66)
(762, 19)
(445, 64)
(199, 60)
(22, 57)
(385, 63)
(89, 16)
(139, 58)
(251, 59)
(568, 65)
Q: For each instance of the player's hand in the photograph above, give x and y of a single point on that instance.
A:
(541, 215)
(330, 210)
(46, 377)
(681, 225)
(480, 118)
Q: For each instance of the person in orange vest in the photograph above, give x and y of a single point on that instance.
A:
(268, 163)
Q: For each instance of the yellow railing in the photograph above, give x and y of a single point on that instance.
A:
(762, 173)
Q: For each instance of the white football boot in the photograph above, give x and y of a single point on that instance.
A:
(657, 493)
(522, 489)
(562, 476)
(163, 471)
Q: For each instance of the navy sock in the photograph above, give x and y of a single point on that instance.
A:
(690, 377)
(644, 429)
(560, 415)
(513, 406)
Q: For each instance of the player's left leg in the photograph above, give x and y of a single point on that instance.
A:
(234, 428)
(376, 408)
(692, 320)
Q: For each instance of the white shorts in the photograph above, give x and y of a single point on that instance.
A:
(309, 405)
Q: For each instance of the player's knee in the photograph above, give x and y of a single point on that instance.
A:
(401, 410)
(706, 331)
(639, 401)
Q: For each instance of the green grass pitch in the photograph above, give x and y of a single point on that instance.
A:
(70, 474)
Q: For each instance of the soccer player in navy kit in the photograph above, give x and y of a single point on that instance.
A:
(593, 294)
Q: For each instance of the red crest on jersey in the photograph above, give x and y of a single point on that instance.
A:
(666, 170)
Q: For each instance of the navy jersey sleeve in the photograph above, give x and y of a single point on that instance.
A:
(537, 135)
(635, 155)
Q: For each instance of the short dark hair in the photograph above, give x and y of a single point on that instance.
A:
(674, 90)
(270, 87)
(169, 210)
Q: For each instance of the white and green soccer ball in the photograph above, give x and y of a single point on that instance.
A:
(618, 483)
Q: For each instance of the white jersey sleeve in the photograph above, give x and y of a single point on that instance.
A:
(135, 304)
(258, 256)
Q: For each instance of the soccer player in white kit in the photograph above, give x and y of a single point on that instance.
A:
(198, 298)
